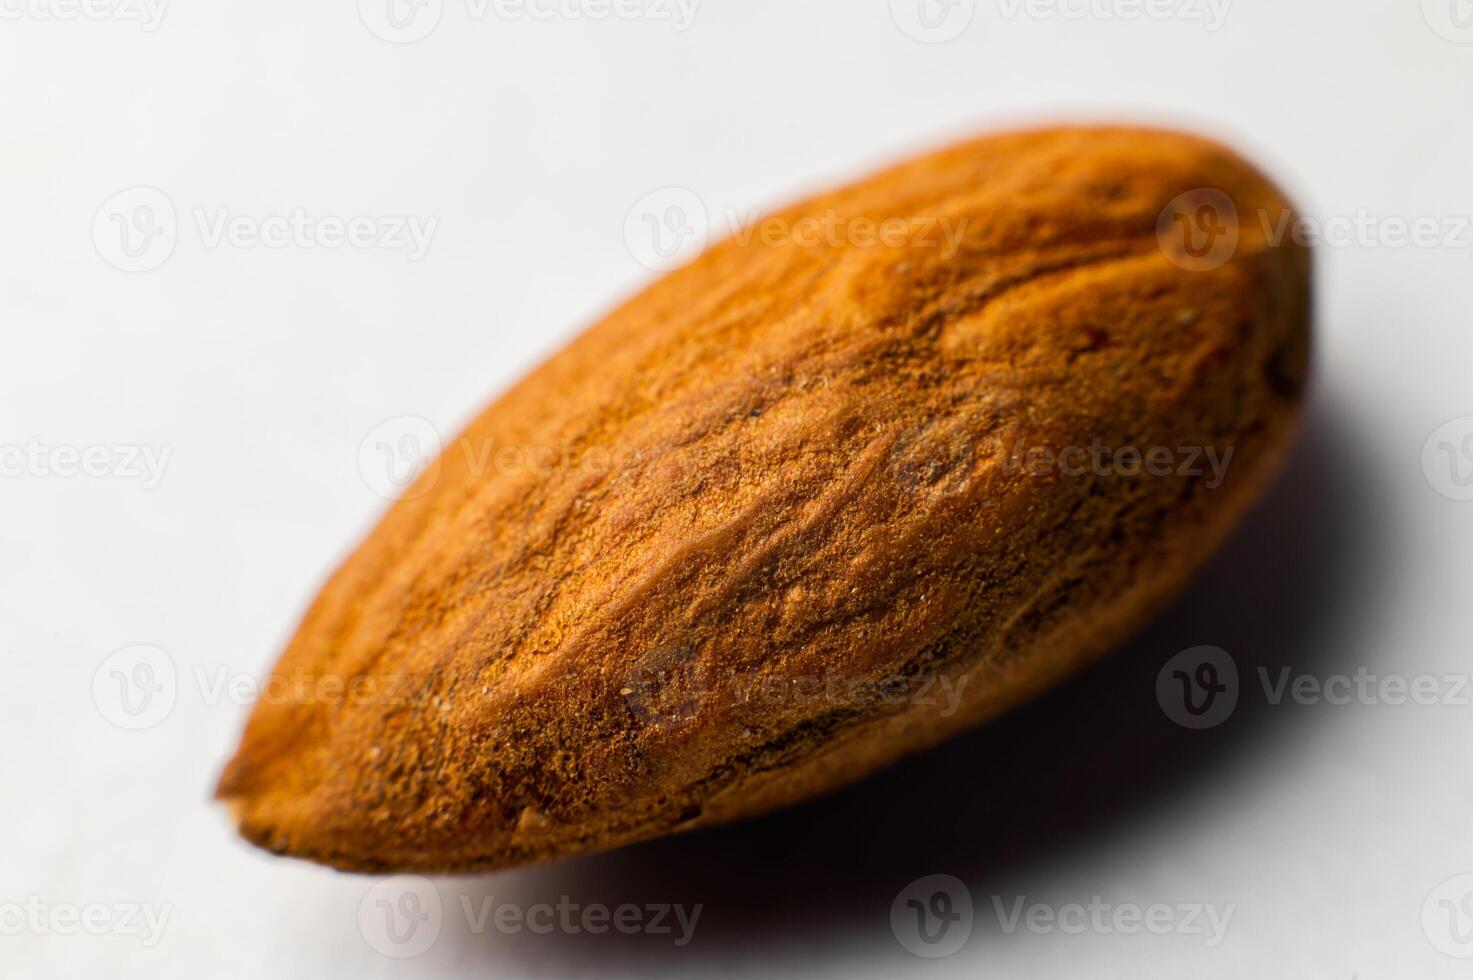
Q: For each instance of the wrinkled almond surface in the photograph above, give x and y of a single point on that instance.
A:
(822, 498)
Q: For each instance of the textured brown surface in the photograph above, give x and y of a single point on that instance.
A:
(805, 483)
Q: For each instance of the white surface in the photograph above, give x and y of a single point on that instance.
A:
(262, 370)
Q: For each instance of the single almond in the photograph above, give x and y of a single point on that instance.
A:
(863, 475)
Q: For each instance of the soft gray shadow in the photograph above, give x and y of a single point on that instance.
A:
(1055, 775)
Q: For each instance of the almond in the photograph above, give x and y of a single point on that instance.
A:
(846, 485)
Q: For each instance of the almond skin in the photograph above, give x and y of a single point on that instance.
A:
(799, 508)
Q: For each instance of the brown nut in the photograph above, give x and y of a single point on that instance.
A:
(811, 503)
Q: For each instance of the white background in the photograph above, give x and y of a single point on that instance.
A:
(261, 371)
